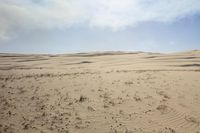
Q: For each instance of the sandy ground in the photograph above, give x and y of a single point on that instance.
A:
(109, 92)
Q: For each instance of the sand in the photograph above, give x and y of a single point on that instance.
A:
(110, 92)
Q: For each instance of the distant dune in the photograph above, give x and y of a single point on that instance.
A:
(100, 92)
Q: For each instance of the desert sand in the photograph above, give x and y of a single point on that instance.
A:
(108, 92)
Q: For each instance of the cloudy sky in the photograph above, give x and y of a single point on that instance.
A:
(63, 26)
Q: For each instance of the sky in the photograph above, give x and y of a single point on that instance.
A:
(70, 26)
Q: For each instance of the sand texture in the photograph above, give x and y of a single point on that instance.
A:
(111, 92)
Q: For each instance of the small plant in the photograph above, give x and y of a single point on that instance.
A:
(82, 98)
(128, 82)
(3, 86)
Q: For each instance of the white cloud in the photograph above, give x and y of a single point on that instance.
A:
(113, 14)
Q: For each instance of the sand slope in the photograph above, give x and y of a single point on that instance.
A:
(112, 92)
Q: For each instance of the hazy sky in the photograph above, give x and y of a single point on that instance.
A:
(63, 26)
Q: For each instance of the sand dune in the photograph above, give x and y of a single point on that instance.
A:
(111, 92)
